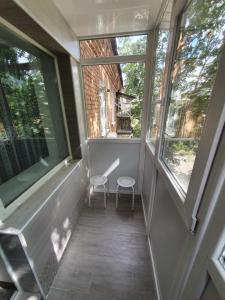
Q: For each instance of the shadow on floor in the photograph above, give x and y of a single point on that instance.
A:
(107, 257)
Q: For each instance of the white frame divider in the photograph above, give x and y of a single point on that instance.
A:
(112, 60)
(111, 35)
(144, 117)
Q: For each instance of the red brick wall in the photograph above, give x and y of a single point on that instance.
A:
(92, 76)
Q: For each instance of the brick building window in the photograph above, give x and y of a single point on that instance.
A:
(114, 92)
(113, 99)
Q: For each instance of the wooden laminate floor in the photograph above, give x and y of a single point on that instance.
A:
(107, 257)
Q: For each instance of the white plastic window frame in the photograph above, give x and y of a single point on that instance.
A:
(5, 212)
(140, 58)
(113, 103)
(188, 204)
(214, 266)
(102, 109)
(152, 146)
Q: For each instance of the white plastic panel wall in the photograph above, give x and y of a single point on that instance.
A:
(21, 270)
(50, 229)
(168, 235)
(115, 159)
(45, 224)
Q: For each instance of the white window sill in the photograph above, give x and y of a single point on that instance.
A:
(31, 201)
(115, 140)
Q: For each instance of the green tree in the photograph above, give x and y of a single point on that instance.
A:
(133, 77)
(200, 43)
(19, 79)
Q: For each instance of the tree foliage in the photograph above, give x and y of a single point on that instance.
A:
(198, 51)
(200, 42)
(133, 77)
(20, 81)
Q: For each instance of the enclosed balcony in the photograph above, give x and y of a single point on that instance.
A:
(112, 161)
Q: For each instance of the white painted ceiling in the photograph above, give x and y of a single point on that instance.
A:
(94, 17)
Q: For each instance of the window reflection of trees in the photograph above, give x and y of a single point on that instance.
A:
(200, 40)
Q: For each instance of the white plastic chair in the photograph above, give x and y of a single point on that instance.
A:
(125, 182)
(98, 180)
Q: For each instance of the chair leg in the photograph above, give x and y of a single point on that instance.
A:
(104, 196)
(108, 187)
(133, 198)
(117, 190)
(89, 200)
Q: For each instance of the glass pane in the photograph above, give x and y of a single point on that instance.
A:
(159, 70)
(114, 97)
(32, 136)
(155, 113)
(200, 40)
(126, 45)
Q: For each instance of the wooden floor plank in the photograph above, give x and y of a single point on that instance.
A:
(107, 256)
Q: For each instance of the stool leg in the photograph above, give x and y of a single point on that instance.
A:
(133, 198)
(104, 196)
(108, 187)
(89, 200)
(117, 190)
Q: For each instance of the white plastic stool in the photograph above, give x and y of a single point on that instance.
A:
(98, 180)
(125, 182)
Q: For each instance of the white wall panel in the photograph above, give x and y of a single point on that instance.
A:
(53, 225)
(116, 159)
(46, 221)
(168, 235)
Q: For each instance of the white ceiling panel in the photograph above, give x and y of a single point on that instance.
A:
(94, 17)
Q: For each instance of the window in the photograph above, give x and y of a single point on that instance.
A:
(114, 98)
(158, 77)
(199, 43)
(113, 104)
(32, 135)
(123, 83)
(102, 113)
(126, 45)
